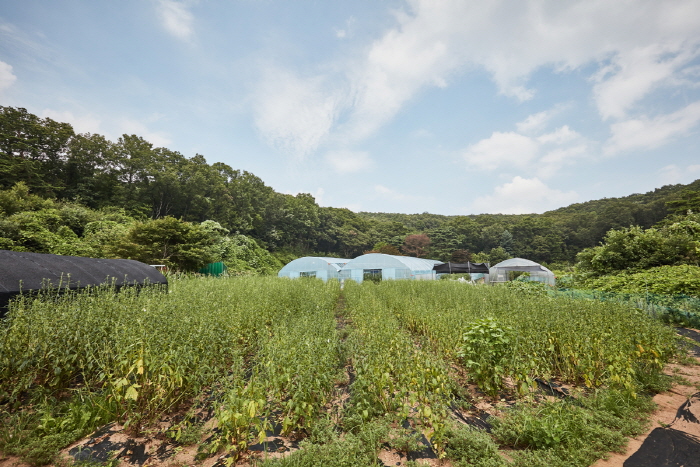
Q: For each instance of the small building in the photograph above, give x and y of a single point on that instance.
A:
(505, 271)
(378, 266)
(22, 272)
(313, 266)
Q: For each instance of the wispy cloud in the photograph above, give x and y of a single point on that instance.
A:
(157, 138)
(345, 161)
(633, 49)
(539, 152)
(294, 113)
(672, 174)
(502, 149)
(648, 133)
(631, 76)
(177, 18)
(81, 123)
(391, 194)
(523, 196)
(7, 77)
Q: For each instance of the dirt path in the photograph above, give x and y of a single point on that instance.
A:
(669, 423)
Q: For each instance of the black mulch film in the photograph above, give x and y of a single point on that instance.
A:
(668, 447)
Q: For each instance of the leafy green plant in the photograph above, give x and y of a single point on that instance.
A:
(487, 346)
(468, 446)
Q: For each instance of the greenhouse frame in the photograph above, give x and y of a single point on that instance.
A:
(313, 266)
(501, 272)
(378, 266)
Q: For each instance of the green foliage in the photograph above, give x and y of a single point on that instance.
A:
(496, 255)
(669, 280)
(578, 341)
(169, 241)
(242, 255)
(351, 450)
(637, 249)
(470, 447)
(486, 348)
(272, 351)
(572, 433)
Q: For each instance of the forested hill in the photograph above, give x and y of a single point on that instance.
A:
(86, 179)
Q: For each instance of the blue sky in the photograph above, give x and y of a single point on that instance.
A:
(450, 107)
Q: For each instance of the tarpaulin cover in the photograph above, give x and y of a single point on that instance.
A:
(461, 268)
(26, 272)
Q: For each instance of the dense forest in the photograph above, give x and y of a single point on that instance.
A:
(68, 193)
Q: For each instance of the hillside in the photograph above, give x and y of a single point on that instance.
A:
(89, 174)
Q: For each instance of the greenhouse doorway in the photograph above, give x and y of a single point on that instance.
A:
(374, 275)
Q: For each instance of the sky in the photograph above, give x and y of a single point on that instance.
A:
(443, 106)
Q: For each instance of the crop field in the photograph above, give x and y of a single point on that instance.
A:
(219, 366)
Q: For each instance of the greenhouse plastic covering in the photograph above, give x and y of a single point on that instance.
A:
(389, 267)
(538, 273)
(26, 272)
(313, 266)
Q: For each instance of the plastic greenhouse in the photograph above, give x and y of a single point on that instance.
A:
(22, 272)
(502, 272)
(313, 266)
(378, 266)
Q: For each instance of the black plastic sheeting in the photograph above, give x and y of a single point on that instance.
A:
(22, 272)
(461, 268)
(668, 447)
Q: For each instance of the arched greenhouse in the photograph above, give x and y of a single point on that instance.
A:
(22, 272)
(378, 266)
(313, 266)
(505, 271)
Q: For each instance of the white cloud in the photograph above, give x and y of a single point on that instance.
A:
(673, 174)
(294, 114)
(157, 138)
(7, 77)
(502, 149)
(561, 135)
(523, 196)
(318, 194)
(534, 123)
(349, 161)
(81, 124)
(632, 75)
(648, 133)
(347, 30)
(543, 154)
(388, 193)
(633, 47)
(176, 18)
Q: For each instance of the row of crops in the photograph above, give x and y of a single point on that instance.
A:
(349, 370)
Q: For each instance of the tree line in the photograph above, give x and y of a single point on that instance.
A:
(130, 182)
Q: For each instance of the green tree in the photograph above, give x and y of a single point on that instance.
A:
(178, 244)
(507, 242)
(444, 241)
(637, 249)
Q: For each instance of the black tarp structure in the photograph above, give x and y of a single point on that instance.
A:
(461, 268)
(22, 272)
